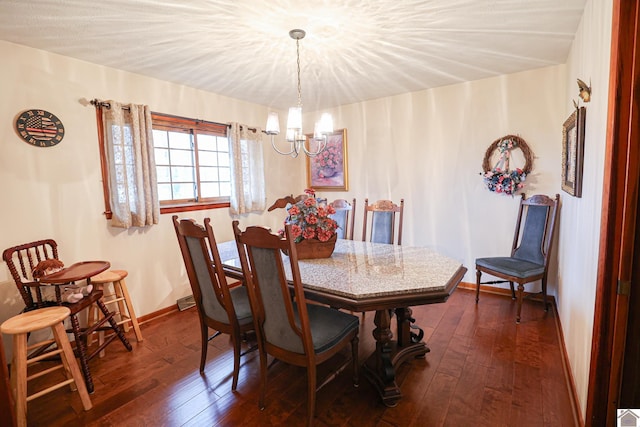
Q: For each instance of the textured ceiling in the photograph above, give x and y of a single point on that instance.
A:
(354, 50)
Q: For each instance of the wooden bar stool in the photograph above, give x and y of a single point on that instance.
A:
(119, 297)
(21, 325)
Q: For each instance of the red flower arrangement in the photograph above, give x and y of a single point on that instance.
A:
(309, 219)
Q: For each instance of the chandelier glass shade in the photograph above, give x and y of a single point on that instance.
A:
(294, 135)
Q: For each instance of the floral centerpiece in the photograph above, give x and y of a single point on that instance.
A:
(310, 219)
(312, 228)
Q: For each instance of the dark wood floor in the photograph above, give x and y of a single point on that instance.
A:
(483, 370)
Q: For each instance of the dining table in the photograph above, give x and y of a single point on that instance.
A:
(389, 279)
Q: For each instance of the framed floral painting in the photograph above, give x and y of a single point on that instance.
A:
(573, 152)
(328, 170)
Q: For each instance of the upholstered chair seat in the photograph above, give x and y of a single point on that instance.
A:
(328, 326)
(511, 266)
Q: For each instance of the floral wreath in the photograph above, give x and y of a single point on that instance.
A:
(499, 178)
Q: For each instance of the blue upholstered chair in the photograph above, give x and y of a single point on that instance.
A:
(286, 326)
(529, 258)
(345, 217)
(383, 221)
(224, 309)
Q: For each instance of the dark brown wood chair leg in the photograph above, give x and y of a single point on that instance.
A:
(263, 378)
(81, 348)
(204, 335)
(513, 291)
(520, 297)
(311, 394)
(114, 325)
(356, 364)
(478, 274)
(236, 359)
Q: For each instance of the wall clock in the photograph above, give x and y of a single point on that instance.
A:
(39, 128)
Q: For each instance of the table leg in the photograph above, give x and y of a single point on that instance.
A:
(408, 333)
(381, 367)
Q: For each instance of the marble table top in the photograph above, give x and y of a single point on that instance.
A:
(360, 270)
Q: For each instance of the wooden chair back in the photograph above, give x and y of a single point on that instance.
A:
(284, 201)
(21, 260)
(345, 217)
(382, 217)
(535, 229)
(204, 269)
(272, 303)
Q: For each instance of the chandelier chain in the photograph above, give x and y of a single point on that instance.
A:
(298, 141)
(299, 85)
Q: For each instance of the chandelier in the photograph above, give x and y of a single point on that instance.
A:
(296, 139)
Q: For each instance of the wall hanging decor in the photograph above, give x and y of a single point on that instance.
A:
(328, 170)
(39, 128)
(584, 90)
(500, 178)
(573, 152)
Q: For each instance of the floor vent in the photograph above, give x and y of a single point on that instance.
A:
(186, 302)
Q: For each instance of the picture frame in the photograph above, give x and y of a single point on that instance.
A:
(329, 169)
(573, 152)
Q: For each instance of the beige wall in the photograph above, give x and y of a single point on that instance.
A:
(426, 147)
(580, 217)
(57, 192)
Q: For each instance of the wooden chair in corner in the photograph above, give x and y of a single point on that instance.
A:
(287, 327)
(219, 307)
(529, 260)
(382, 218)
(345, 217)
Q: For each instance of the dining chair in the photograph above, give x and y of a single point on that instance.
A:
(22, 260)
(286, 326)
(345, 217)
(382, 217)
(529, 260)
(220, 307)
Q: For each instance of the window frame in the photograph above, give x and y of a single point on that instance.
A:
(165, 122)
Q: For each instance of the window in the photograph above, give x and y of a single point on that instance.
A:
(192, 162)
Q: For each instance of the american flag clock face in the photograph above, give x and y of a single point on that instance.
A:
(40, 128)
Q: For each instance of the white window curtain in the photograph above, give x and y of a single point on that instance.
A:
(248, 192)
(133, 187)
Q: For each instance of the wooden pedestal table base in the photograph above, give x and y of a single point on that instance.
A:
(380, 367)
